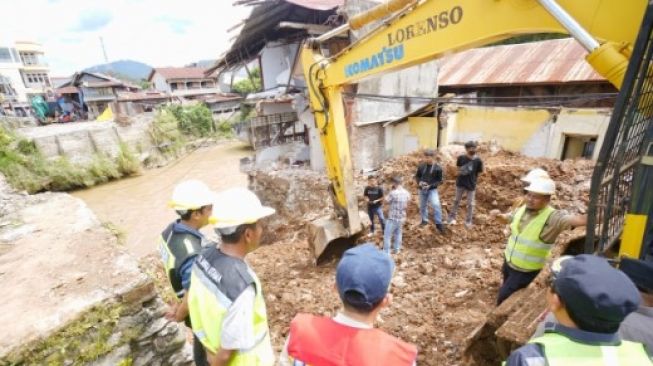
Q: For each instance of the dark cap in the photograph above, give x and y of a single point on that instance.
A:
(640, 272)
(429, 152)
(470, 144)
(363, 276)
(597, 296)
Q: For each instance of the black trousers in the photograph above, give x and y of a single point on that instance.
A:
(199, 353)
(513, 280)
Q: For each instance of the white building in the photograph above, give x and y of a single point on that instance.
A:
(23, 73)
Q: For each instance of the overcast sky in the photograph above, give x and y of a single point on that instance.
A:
(157, 32)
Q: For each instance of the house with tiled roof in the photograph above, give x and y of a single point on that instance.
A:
(183, 81)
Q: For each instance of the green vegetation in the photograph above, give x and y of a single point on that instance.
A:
(250, 85)
(119, 233)
(82, 341)
(27, 169)
(174, 125)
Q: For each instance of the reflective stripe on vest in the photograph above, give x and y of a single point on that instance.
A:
(174, 249)
(562, 351)
(525, 250)
(208, 306)
(321, 341)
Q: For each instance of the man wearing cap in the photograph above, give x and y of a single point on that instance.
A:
(428, 177)
(363, 278)
(589, 300)
(225, 299)
(397, 203)
(638, 326)
(534, 228)
(181, 242)
(469, 167)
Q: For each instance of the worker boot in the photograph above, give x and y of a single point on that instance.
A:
(440, 228)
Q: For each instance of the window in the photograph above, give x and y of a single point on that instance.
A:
(15, 53)
(5, 55)
(578, 147)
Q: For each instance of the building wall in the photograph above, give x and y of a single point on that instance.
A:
(367, 146)
(579, 122)
(160, 83)
(530, 131)
(277, 60)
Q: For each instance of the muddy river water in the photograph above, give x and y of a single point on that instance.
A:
(138, 205)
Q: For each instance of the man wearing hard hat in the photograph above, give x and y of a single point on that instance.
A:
(226, 303)
(534, 228)
(180, 244)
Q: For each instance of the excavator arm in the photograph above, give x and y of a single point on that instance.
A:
(420, 31)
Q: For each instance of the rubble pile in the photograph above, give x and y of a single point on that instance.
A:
(444, 285)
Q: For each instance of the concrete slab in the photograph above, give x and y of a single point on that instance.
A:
(68, 263)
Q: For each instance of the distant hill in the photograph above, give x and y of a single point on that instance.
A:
(123, 69)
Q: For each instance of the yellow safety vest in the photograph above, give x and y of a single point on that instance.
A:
(175, 248)
(216, 281)
(559, 350)
(525, 249)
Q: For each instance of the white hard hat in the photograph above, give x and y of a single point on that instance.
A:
(543, 186)
(238, 206)
(191, 195)
(535, 174)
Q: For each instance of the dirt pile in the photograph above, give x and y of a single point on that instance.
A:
(445, 285)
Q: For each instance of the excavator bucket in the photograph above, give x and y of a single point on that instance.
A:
(328, 237)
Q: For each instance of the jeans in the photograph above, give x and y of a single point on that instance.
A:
(470, 204)
(430, 198)
(378, 212)
(392, 228)
(513, 280)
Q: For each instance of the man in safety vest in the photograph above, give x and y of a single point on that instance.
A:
(362, 279)
(589, 300)
(225, 300)
(534, 228)
(181, 242)
(638, 326)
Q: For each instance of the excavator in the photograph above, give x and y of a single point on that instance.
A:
(413, 32)
(618, 38)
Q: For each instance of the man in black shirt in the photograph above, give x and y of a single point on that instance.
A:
(374, 197)
(469, 167)
(429, 176)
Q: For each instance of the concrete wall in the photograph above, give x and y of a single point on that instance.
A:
(160, 83)
(410, 135)
(530, 131)
(579, 122)
(277, 60)
(367, 146)
(80, 141)
(316, 153)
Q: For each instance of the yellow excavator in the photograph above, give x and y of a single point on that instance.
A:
(414, 32)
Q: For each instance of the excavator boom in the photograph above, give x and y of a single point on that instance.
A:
(420, 31)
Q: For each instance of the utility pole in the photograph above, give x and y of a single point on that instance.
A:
(104, 50)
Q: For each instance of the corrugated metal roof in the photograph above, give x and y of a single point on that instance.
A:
(545, 62)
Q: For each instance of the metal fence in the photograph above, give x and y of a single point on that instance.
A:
(623, 146)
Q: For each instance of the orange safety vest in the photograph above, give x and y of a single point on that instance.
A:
(320, 341)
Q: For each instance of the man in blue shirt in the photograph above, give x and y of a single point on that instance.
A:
(589, 300)
(181, 242)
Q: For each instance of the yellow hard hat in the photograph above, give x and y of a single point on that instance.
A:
(543, 186)
(238, 206)
(191, 195)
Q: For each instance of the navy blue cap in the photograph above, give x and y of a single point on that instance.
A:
(640, 272)
(363, 276)
(597, 296)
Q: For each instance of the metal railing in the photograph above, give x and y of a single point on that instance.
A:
(623, 146)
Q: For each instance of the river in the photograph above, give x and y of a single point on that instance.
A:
(138, 205)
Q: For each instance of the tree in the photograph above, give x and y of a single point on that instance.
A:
(250, 85)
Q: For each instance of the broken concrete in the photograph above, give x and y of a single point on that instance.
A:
(73, 295)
